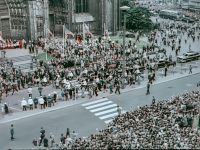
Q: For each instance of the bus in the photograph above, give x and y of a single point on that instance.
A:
(170, 14)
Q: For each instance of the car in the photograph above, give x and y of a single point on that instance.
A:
(189, 56)
(163, 62)
(188, 20)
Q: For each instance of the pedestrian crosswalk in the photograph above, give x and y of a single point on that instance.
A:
(104, 109)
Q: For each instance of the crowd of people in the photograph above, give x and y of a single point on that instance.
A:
(97, 64)
(166, 124)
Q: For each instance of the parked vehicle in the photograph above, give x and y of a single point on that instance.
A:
(188, 20)
(170, 14)
(189, 56)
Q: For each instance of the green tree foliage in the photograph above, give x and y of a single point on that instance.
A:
(138, 18)
(125, 2)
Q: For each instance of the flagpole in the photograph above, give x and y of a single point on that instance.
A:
(83, 36)
(64, 39)
(104, 36)
(83, 33)
(45, 41)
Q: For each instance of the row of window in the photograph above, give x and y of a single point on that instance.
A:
(82, 6)
(18, 27)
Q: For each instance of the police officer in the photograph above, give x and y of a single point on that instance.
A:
(119, 110)
(12, 132)
(148, 88)
(35, 101)
(49, 100)
(40, 89)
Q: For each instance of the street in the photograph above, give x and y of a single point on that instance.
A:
(82, 120)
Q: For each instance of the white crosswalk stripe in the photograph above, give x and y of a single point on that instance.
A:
(103, 108)
(97, 105)
(105, 112)
(109, 116)
(94, 102)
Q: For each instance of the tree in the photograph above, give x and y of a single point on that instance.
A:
(138, 18)
(125, 2)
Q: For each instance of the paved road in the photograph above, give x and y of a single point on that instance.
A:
(84, 120)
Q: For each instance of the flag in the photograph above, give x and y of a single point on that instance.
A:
(49, 34)
(68, 33)
(79, 39)
(2, 40)
(86, 30)
(106, 33)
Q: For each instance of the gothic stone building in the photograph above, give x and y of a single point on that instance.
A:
(28, 19)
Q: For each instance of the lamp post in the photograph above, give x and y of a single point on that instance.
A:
(124, 9)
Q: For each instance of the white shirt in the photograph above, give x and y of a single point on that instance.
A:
(97, 80)
(41, 100)
(30, 101)
(30, 90)
(23, 103)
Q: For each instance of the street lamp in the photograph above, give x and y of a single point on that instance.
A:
(124, 9)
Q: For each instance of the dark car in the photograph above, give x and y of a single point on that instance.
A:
(189, 56)
(188, 20)
(162, 63)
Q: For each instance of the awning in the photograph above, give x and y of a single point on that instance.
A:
(82, 17)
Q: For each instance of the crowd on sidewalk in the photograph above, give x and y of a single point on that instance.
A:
(161, 125)
(97, 65)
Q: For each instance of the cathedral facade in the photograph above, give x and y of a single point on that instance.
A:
(30, 19)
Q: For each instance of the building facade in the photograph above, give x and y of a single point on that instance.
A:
(30, 19)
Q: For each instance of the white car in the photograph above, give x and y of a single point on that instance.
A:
(189, 56)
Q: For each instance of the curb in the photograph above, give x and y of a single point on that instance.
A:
(159, 82)
(107, 95)
(38, 113)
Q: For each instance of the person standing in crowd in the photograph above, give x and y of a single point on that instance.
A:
(67, 133)
(153, 100)
(12, 132)
(30, 103)
(40, 89)
(35, 101)
(29, 91)
(42, 135)
(117, 88)
(14, 88)
(24, 104)
(54, 97)
(41, 102)
(165, 70)
(148, 88)
(46, 142)
(119, 110)
(6, 108)
(62, 139)
(49, 100)
(111, 88)
(1, 94)
(45, 101)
